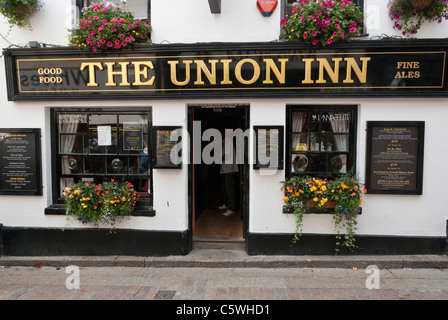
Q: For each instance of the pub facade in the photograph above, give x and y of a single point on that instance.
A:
(151, 115)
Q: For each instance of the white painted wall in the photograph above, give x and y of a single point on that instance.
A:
(180, 21)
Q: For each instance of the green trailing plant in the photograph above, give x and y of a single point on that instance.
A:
(408, 19)
(343, 195)
(19, 12)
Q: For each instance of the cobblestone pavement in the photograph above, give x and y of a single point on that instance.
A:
(146, 283)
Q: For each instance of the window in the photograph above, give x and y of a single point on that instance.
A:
(287, 6)
(321, 140)
(140, 8)
(98, 145)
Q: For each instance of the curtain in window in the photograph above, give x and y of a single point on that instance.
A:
(340, 125)
(297, 126)
(68, 123)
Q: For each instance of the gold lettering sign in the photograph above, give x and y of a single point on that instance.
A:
(243, 70)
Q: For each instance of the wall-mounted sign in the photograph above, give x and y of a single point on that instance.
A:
(268, 147)
(395, 157)
(281, 69)
(267, 7)
(166, 152)
(20, 160)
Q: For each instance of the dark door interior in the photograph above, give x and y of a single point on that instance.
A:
(206, 194)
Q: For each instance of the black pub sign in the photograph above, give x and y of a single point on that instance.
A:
(395, 151)
(278, 69)
(20, 160)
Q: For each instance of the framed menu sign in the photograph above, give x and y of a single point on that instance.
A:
(395, 157)
(269, 147)
(166, 150)
(132, 136)
(20, 160)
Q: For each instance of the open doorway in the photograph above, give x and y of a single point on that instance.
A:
(208, 221)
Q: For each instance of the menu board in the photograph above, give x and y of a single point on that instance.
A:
(132, 136)
(395, 157)
(269, 147)
(166, 149)
(20, 160)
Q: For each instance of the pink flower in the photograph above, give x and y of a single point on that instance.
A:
(305, 35)
(336, 26)
(110, 44)
(315, 42)
(329, 40)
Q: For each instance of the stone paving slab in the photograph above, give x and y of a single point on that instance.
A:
(176, 284)
(215, 258)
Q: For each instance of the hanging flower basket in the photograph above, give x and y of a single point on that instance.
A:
(421, 4)
(18, 12)
(409, 15)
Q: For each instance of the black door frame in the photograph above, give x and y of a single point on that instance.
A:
(245, 167)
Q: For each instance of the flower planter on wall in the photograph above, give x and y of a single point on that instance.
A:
(421, 4)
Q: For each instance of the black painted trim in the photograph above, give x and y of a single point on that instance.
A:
(324, 244)
(22, 241)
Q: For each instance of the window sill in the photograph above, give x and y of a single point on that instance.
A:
(139, 211)
(313, 211)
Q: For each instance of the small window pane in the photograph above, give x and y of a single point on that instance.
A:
(72, 164)
(338, 164)
(103, 133)
(117, 165)
(95, 165)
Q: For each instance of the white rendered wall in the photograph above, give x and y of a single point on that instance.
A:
(180, 21)
(423, 215)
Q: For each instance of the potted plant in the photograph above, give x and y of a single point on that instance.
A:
(18, 12)
(105, 26)
(408, 15)
(343, 195)
(322, 21)
(106, 203)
